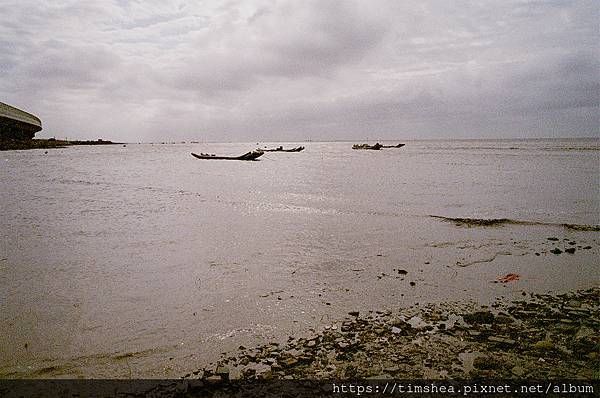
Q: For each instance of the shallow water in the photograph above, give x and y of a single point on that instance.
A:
(143, 261)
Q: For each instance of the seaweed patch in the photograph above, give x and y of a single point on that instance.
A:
(494, 222)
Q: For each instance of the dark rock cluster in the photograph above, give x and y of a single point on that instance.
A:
(545, 336)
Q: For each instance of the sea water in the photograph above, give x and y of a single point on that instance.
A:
(142, 261)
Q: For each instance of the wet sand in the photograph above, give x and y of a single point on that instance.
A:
(511, 329)
(541, 337)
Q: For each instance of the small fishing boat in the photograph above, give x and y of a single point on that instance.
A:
(376, 147)
(280, 149)
(393, 146)
(252, 155)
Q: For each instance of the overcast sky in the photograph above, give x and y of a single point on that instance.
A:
(294, 70)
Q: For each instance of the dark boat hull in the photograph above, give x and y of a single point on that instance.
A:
(375, 147)
(280, 149)
(252, 155)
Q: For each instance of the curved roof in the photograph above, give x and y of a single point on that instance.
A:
(10, 113)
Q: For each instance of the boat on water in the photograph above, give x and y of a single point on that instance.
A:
(252, 155)
(375, 147)
(280, 149)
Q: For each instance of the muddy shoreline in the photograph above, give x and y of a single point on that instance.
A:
(540, 337)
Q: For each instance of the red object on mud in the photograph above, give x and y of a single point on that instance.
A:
(509, 278)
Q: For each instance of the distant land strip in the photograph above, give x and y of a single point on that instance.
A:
(493, 222)
(9, 144)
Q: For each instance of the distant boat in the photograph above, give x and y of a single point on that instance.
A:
(376, 147)
(280, 149)
(252, 155)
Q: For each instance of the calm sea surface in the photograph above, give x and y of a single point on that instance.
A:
(142, 261)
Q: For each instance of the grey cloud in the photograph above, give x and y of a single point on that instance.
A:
(292, 42)
(288, 70)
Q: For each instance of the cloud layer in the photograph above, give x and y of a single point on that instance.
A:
(289, 70)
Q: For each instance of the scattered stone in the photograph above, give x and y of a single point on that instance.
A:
(289, 362)
(518, 371)
(544, 337)
(504, 319)
(479, 317)
(402, 272)
(487, 363)
(583, 333)
(502, 340)
(223, 372)
(544, 346)
(213, 379)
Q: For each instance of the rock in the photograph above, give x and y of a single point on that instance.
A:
(417, 323)
(213, 379)
(268, 375)
(518, 371)
(502, 340)
(479, 317)
(556, 251)
(390, 368)
(543, 345)
(311, 343)
(354, 313)
(402, 272)
(583, 333)
(289, 362)
(342, 344)
(396, 330)
(564, 349)
(570, 250)
(221, 370)
(244, 361)
(553, 239)
(503, 319)
(487, 363)
(574, 304)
